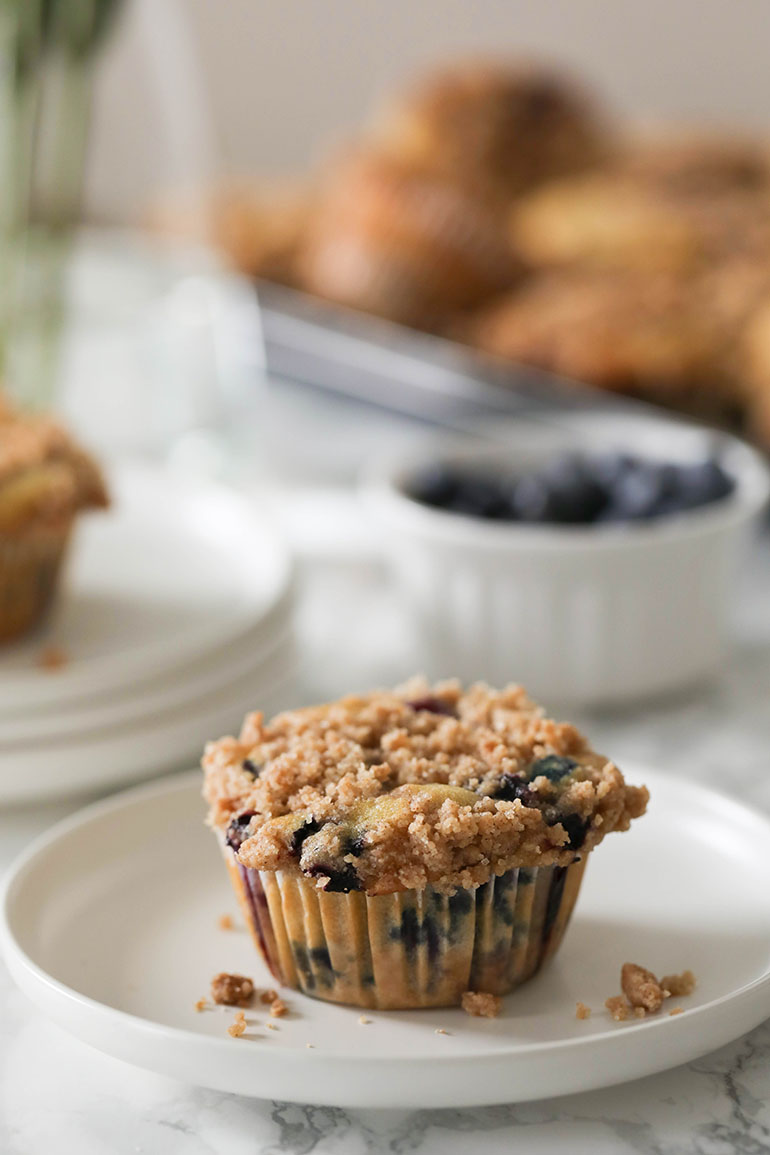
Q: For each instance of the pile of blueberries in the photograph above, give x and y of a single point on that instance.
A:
(574, 489)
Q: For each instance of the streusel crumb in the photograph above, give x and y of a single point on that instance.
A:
(232, 990)
(481, 1004)
(582, 1011)
(237, 1026)
(644, 994)
(422, 785)
(676, 1011)
(53, 658)
(278, 1008)
(679, 985)
(268, 996)
(618, 1008)
(201, 1005)
(225, 922)
(641, 987)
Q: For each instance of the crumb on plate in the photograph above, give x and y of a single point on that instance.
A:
(441, 1031)
(679, 985)
(481, 1004)
(201, 1005)
(582, 1011)
(644, 994)
(232, 990)
(641, 987)
(363, 1020)
(676, 1011)
(52, 658)
(271, 1026)
(225, 922)
(618, 1008)
(278, 1008)
(237, 1026)
(268, 996)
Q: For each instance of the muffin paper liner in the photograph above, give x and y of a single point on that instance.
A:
(29, 573)
(415, 948)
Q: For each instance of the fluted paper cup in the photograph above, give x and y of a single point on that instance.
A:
(414, 948)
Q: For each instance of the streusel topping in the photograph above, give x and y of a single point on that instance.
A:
(44, 475)
(423, 784)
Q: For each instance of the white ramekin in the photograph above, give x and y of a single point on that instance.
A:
(579, 615)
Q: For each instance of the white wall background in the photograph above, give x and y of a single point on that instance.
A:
(263, 81)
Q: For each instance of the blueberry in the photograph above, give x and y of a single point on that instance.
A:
(480, 497)
(436, 485)
(608, 468)
(513, 786)
(533, 500)
(432, 706)
(251, 767)
(342, 878)
(553, 902)
(564, 492)
(237, 831)
(554, 767)
(576, 828)
(308, 827)
(703, 483)
(643, 491)
(412, 933)
(580, 498)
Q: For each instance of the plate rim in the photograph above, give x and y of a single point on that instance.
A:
(173, 689)
(128, 668)
(19, 964)
(118, 783)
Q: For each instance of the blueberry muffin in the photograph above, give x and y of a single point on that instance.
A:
(604, 220)
(703, 164)
(391, 239)
(632, 333)
(398, 848)
(45, 481)
(499, 128)
(753, 359)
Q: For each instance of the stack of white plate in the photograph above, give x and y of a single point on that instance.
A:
(175, 620)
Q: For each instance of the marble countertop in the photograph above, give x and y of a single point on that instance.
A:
(57, 1095)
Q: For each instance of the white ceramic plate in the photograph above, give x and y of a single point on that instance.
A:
(688, 887)
(249, 658)
(174, 571)
(157, 744)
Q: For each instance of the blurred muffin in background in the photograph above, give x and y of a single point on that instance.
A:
(673, 203)
(605, 221)
(45, 481)
(620, 331)
(498, 128)
(259, 227)
(389, 238)
(687, 163)
(753, 362)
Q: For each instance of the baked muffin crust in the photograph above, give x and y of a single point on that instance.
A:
(45, 478)
(422, 785)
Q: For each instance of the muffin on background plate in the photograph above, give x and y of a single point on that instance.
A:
(389, 238)
(399, 848)
(45, 481)
(674, 203)
(626, 332)
(496, 127)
